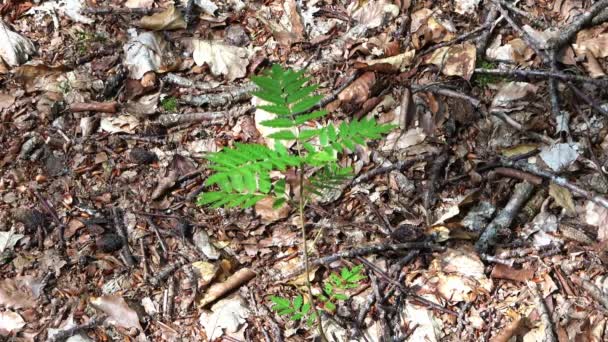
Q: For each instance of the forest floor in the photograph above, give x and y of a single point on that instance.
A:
(483, 216)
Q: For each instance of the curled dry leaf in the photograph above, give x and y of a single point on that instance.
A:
(455, 60)
(512, 92)
(594, 41)
(14, 48)
(466, 6)
(9, 239)
(515, 50)
(169, 19)
(230, 61)
(10, 323)
(375, 13)
(119, 313)
(428, 327)
(427, 28)
(397, 63)
(227, 315)
(203, 243)
(359, 90)
(233, 282)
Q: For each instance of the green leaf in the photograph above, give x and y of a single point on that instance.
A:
(306, 103)
(279, 302)
(329, 306)
(298, 301)
(275, 109)
(287, 311)
(296, 317)
(278, 203)
(311, 319)
(295, 96)
(306, 307)
(278, 123)
(283, 135)
(267, 84)
(340, 296)
(301, 119)
(269, 97)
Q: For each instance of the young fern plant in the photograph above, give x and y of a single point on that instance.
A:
(242, 173)
(334, 290)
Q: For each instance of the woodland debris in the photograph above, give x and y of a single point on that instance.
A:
(216, 291)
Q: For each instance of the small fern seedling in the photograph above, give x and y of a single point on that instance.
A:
(334, 290)
(242, 173)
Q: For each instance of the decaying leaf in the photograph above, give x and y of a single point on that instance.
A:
(207, 6)
(9, 239)
(562, 197)
(14, 48)
(205, 271)
(268, 213)
(466, 6)
(227, 316)
(230, 61)
(427, 28)
(596, 215)
(559, 156)
(118, 311)
(10, 323)
(460, 274)
(203, 243)
(515, 50)
(19, 292)
(216, 291)
(398, 140)
(456, 60)
(119, 124)
(512, 92)
(148, 52)
(169, 19)
(374, 13)
(428, 327)
(594, 41)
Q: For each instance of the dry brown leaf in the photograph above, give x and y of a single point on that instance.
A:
(407, 109)
(456, 60)
(512, 92)
(233, 282)
(374, 13)
(427, 28)
(295, 19)
(501, 271)
(268, 214)
(19, 292)
(593, 40)
(515, 50)
(359, 90)
(169, 19)
(593, 66)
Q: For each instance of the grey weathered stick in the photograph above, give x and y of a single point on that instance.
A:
(207, 118)
(545, 316)
(63, 335)
(119, 227)
(567, 33)
(503, 220)
(484, 38)
(563, 182)
(543, 74)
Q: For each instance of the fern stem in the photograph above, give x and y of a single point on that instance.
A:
(305, 252)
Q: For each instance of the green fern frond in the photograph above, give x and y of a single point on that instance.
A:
(329, 177)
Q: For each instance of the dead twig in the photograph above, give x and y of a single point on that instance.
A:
(602, 82)
(514, 173)
(167, 271)
(119, 227)
(567, 33)
(51, 211)
(104, 107)
(406, 291)
(595, 292)
(206, 118)
(545, 316)
(503, 220)
(563, 182)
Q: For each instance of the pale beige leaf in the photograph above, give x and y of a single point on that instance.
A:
(226, 317)
(14, 48)
(374, 13)
(119, 313)
(596, 215)
(398, 62)
(227, 60)
(169, 19)
(10, 323)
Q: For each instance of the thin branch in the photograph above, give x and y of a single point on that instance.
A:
(543, 74)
